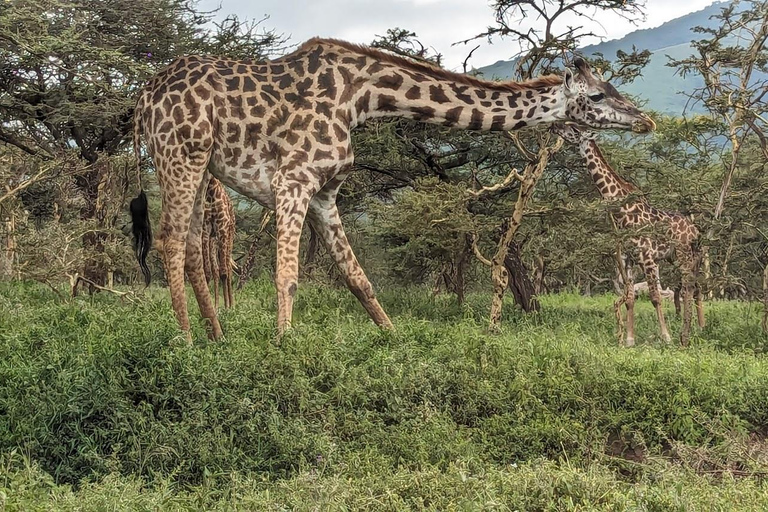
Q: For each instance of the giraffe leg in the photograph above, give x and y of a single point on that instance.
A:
(651, 270)
(291, 204)
(228, 282)
(194, 265)
(627, 299)
(206, 243)
(224, 279)
(700, 307)
(629, 293)
(230, 269)
(629, 304)
(179, 205)
(225, 265)
(678, 291)
(324, 216)
(215, 273)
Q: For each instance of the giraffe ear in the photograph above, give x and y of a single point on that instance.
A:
(569, 84)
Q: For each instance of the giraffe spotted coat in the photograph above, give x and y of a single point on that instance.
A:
(218, 241)
(279, 132)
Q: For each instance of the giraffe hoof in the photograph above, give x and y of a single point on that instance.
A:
(630, 342)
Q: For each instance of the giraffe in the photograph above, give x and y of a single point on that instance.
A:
(218, 238)
(279, 132)
(680, 240)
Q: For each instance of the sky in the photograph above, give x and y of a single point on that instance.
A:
(437, 23)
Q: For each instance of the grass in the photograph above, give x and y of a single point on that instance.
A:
(103, 406)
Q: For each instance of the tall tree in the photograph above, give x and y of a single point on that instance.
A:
(732, 59)
(69, 71)
(542, 30)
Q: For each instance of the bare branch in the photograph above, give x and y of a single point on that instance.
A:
(476, 250)
(469, 56)
(514, 175)
(515, 138)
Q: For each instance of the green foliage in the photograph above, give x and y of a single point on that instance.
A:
(424, 228)
(69, 75)
(536, 485)
(71, 69)
(435, 414)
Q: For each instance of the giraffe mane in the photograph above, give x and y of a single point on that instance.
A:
(435, 71)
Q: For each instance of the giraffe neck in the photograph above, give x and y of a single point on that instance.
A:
(610, 184)
(372, 84)
(444, 102)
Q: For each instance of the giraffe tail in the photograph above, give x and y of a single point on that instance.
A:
(142, 230)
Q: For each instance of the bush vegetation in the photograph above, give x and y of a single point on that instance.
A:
(103, 406)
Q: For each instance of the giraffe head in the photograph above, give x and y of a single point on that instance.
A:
(596, 103)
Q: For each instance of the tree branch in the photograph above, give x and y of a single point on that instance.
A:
(476, 250)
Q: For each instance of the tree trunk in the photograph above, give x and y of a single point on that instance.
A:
(436, 287)
(735, 150)
(500, 278)
(10, 245)
(96, 187)
(533, 171)
(541, 269)
(460, 267)
(520, 283)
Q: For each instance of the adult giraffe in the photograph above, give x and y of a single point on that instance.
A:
(279, 132)
(679, 238)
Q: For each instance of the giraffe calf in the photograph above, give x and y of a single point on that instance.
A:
(218, 239)
(679, 240)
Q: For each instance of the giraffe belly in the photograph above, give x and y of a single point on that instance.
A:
(255, 183)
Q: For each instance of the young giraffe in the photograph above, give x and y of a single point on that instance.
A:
(279, 132)
(218, 241)
(636, 213)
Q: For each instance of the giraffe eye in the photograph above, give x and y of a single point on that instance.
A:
(596, 97)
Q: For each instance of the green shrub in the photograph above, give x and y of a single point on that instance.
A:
(105, 395)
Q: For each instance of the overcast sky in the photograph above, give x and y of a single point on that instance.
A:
(437, 23)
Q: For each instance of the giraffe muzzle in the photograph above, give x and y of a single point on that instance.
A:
(643, 125)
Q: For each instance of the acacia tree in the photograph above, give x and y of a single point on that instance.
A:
(543, 33)
(69, 72)
(732, 60)
(419, 223)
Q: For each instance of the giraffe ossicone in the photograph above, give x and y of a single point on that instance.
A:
(279, 132)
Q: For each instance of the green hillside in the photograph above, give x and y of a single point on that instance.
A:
(663, 88)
